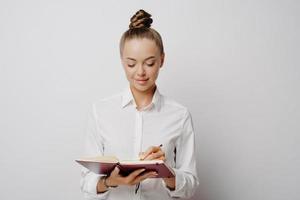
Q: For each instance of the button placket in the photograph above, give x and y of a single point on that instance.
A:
(138, 142)
(138, 133)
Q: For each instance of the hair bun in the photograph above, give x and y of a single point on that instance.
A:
(140, 19)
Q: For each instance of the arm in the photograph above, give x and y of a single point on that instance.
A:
(186, 180)
(90, 184)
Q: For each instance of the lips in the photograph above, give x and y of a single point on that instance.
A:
(141, 81)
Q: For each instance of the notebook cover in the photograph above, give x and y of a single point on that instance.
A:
(105, 168)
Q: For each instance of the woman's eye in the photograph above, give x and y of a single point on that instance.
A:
(150, 64)
(130, 65)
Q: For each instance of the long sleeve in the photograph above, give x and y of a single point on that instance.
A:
(185, 168)
(93, 146)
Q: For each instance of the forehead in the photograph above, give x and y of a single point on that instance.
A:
(140, 48)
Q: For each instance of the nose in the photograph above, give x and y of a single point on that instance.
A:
(140, 70)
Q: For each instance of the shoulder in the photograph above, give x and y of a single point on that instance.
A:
(108, 102)
(171, 104)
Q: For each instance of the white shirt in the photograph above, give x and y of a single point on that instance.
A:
(116, 127)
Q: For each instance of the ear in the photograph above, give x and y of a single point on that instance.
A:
(162, 59)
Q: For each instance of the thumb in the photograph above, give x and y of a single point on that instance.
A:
(115, 171)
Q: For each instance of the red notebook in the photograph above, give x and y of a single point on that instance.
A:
(105, 164)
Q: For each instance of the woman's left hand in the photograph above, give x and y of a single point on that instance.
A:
(153, 153)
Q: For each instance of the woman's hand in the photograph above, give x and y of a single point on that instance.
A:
(133, 178)
(155, 152)
(152, 153)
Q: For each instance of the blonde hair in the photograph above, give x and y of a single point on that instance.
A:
(140, 27)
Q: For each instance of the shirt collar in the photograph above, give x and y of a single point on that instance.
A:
(127, 98)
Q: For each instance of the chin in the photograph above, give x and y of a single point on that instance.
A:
(142, 88)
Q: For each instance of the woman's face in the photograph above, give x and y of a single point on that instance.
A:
(141, 60)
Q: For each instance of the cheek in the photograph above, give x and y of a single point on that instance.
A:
(129, 72)
(153, 73)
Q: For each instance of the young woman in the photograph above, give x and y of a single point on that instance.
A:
(141, 123)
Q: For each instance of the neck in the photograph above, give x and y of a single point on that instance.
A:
(143, 98)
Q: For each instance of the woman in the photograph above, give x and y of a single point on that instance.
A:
(133, 124)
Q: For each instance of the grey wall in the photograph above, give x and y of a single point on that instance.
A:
(235, 64)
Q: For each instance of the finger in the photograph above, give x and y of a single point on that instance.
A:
(134, 174)
(141, 155)
(153, 156)
(150, 150)
(116, 171)
(162, 158)
(151, 174)
(142, 178)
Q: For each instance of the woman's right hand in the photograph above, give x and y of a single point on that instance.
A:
(133, 178)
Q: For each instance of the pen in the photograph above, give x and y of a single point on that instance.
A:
(137, 186)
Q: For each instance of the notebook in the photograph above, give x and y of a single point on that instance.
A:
(106, 164)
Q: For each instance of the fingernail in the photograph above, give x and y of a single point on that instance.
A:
(141, 155)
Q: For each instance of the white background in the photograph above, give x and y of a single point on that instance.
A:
(234, 64)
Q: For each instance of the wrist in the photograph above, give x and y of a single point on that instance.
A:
(107, 183)
(101, 188)
(170, 183)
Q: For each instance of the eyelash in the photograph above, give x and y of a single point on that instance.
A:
(150, 65)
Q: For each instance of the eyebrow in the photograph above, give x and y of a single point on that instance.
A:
(145, 59)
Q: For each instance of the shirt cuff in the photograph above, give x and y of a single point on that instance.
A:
(179, 184)
(91, 188)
